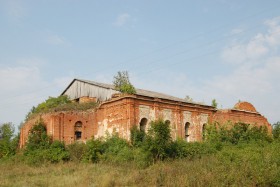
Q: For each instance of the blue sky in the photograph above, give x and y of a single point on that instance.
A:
(222, 49)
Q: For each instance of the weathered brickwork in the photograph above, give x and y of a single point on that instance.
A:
(119, 114)
(61, 126)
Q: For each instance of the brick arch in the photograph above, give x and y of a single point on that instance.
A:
(187, 131)
(143, 124)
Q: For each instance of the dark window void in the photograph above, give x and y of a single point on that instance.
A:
(187, 126)
(143, 124)
(167, 122)
(78, 135)
(78, 130)
(204, 133)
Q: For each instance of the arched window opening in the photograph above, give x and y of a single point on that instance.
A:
(78, 130)
(168, 122)
(143, 124)
(187, 133)
(204, 133)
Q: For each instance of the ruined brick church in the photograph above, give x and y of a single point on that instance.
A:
(119, 112)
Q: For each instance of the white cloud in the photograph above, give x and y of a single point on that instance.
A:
(17, 78)
(56, 40)
(22, 86)
(254, 77)
(122, 19)
(273, 36)
(14, 9)
(236, 31)
(256, 84)
(17, 91)
(256, 74)
(238, 53)
(31, 62)
(260, 45)
(234, 54)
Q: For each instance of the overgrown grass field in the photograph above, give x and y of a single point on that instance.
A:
(242, 155)
(243, 165)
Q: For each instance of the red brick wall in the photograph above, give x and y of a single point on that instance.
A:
(60, 126)
(121, 113)
(234, 116)
(175, 114)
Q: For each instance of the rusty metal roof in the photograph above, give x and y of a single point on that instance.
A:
(140, 92)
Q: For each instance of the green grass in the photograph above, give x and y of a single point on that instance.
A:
(236, 157)
(242, 165)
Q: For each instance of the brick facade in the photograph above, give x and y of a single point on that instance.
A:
(121, 112)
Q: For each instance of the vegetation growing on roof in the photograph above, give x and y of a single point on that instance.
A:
(214, 103)
(61, 103)
(188, 98)
(122, 83)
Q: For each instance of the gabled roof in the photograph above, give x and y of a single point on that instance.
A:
(140, 92)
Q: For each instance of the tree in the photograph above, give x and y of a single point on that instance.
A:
(8, 143)
(122, 83)
(38, 138)
(214, 103)
(159, 139)
(276, 130)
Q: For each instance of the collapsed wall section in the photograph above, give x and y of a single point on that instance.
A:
(236, 116)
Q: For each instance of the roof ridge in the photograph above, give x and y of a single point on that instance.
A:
(139, 91)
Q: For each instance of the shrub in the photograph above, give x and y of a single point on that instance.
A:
(116, 150)
(213, 132)
(54, 154)
(197, 149)
(77, 151)
(259, 134)
(38, 138)
(276, 131)
(142, 158)
(158, 140)
(57, 152)
(74, 106)
(40, 148)
(94, 151)
(61, 103)
(36, 157)
(236, 133)
(136, 136)
(50, 103)
(178, 149)
(127, 88)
